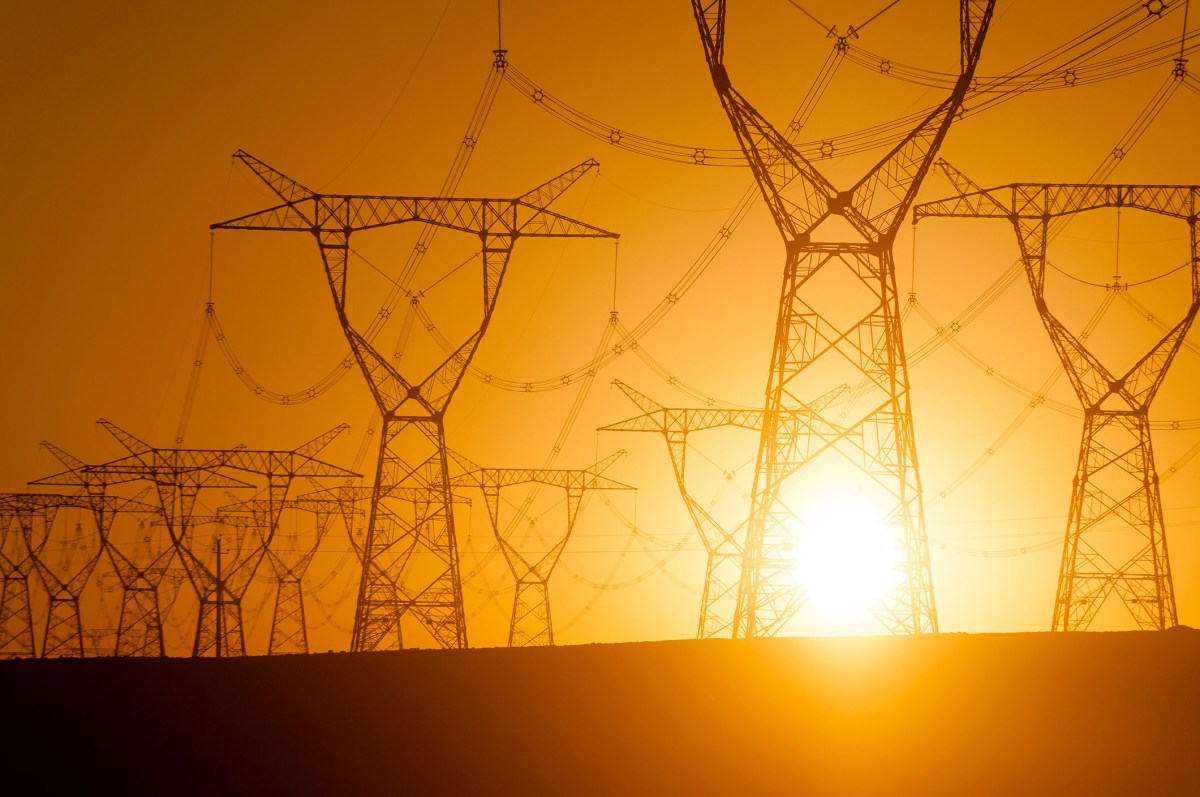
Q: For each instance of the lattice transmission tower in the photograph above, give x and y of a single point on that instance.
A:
(531, 622)
(724, 545)
(65, 560)
(410, 558)
(289, 555)
(26, 520)
(139, 584)
(838, 322)
(140, 564)
(1115, 544)
(179, 475)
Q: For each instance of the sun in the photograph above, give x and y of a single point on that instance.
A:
(846, 559)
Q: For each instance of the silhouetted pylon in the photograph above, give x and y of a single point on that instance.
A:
(351, 502)
(25, 523)
(725, 546)
(531, 622)
(411, 561)
(139, 627)
(179, 475)
(1115, 478)
(838, 323)
(65, 559)
(289, 557)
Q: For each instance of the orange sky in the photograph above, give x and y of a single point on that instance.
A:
(123, 117)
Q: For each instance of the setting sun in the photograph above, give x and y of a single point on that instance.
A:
(847, 559)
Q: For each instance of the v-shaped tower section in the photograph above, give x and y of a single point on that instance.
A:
(410, 557)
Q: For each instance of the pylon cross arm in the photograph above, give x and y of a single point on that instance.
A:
(1049, 200)
(975, 204)
(550, 190)
(306, 211)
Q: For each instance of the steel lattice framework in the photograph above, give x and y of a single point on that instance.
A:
(531, 622)
(289, 559)
(230, 559)
(1115, 478)
(65, 559)
(25, 523)
(178, 476)
(410, 559)
(815, 335)
(725, 546)
(139, 630)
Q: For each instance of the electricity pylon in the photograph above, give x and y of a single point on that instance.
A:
(25, 523)
(139, 601)
(1115, 478)
(289, 633)
(410, 561)
(233, 555)
(725, 546)
(179, 475)
(65, 559)
(289, 559)
(140, 567)
(821, 340)
(352, 503)
(347, 500)
(531, 622)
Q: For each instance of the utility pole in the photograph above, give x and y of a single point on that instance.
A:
(220, 640)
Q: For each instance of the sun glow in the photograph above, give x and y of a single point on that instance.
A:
(847, 559)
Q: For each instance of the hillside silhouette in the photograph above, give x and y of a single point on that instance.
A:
(952, 714)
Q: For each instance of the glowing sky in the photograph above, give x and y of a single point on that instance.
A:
(116, 158)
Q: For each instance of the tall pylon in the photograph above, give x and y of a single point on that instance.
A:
(410, 564)
(531, 622)
(852, 336)
(1115, 543)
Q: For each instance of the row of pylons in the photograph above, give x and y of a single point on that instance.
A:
(170, 565)
(401, 525)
